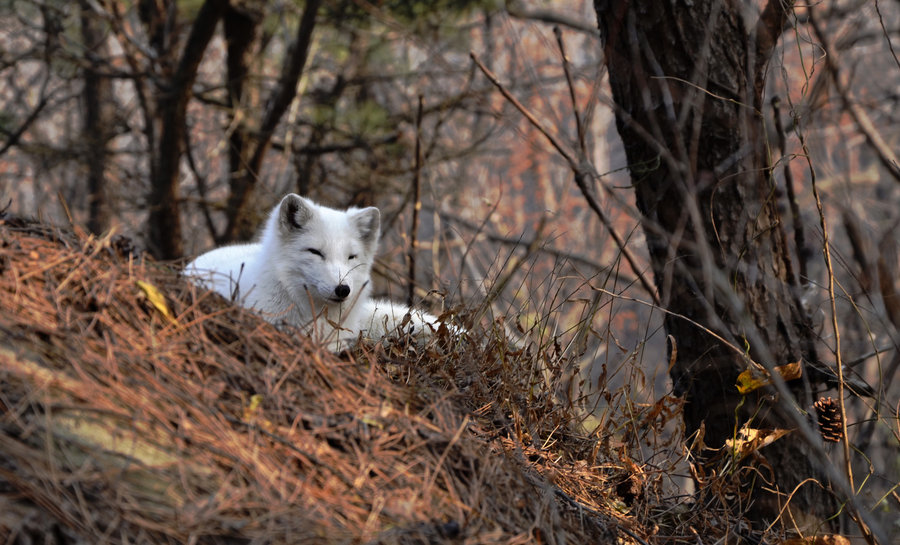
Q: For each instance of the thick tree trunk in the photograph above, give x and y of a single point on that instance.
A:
(687, 82)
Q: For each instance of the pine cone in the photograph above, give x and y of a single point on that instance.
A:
(829, 416)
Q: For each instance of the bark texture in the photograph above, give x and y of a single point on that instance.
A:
(687, 81)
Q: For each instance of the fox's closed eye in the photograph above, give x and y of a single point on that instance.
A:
(315, 252)
(351, 256)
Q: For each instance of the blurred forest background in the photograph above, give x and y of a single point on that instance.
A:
(181, 123)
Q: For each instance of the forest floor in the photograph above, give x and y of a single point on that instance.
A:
(135, 408)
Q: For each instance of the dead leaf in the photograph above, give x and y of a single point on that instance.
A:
(753, 379)
(158, 300)
(751, 439)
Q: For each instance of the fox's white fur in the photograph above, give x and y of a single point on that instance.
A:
(311, 269)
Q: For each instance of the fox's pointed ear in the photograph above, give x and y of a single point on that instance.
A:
(293, 213)
(368, 222)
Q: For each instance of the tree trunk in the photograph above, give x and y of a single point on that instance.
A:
(164, 223)
(240, 25)
(99, 120)
(243, 181)
(687, 80)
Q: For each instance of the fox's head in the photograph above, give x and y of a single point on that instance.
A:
(323, 256)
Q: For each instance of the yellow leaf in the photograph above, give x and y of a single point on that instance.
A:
(158, 300)
(251, 409)
(371, 421)
(752, 379)
(251, 413)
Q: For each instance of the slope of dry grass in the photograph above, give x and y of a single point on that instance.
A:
(120, 424)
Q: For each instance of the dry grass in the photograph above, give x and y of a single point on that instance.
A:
(119, 425)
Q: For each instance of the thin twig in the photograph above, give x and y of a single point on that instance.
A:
(742, 353)
(550, 16)
(579, 128)
(13, 137)
(512, 265)
(769, 28)
(557, 145)
(492, 236)
(826, 251)
(887, 35)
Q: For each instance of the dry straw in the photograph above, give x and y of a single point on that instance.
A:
(120, 424)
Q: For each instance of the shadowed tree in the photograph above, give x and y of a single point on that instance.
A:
(247, 155)
(172, 96)
(241, 29)
(687, 81)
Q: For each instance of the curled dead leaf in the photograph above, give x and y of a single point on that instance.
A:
(751, 439)
(753, 379)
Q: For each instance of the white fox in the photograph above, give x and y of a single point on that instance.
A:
(311, 269)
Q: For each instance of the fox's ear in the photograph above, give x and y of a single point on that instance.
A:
(294, 213)
(368, 222)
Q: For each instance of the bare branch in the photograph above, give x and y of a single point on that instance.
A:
(561, 148)
(13, 137)
(887, 36)
(286, 89)
(579, 128)
(551, 17)
(582, 171)
(859, 515)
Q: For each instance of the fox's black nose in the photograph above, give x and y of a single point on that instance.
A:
(342, 291)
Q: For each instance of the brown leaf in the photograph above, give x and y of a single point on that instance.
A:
(751, 439)
(753, 379)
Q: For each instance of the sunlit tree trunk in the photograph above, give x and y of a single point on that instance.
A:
(687, 81)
